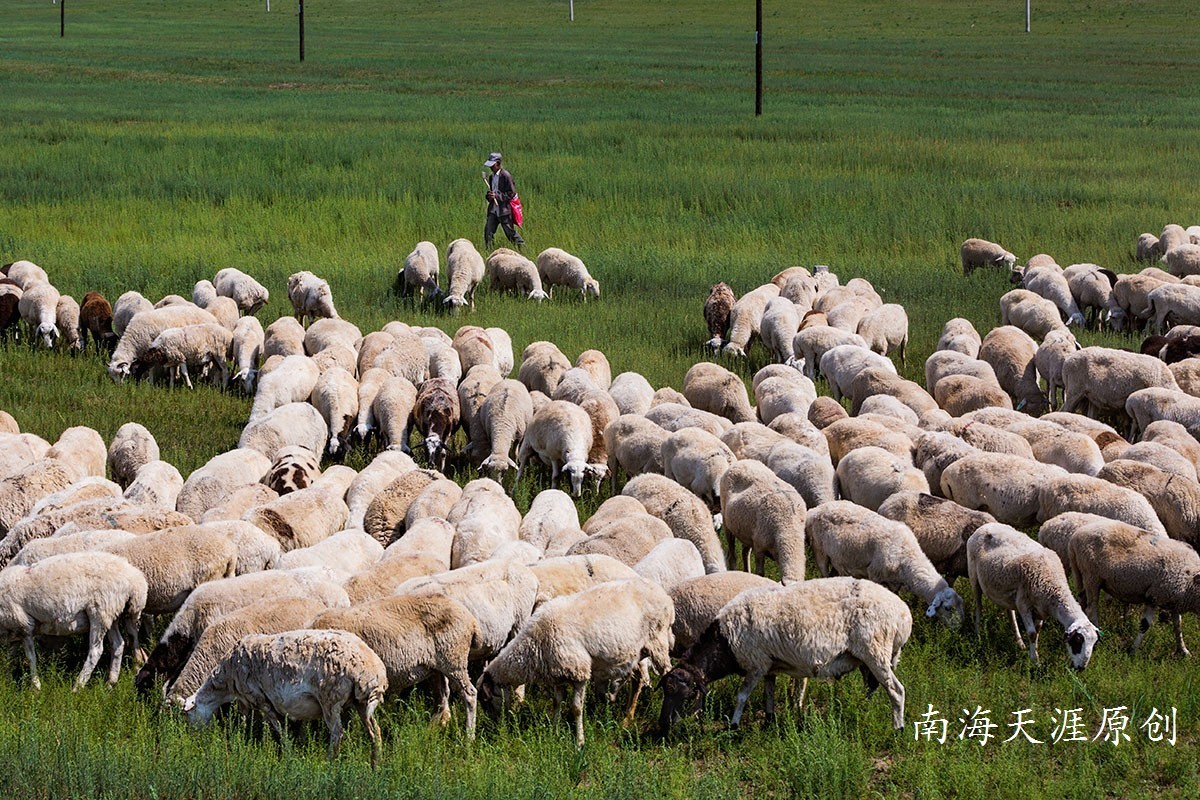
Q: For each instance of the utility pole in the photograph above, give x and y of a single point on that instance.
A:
(758, 59)
(571, 5)
(301, 15)
(1027, 16)
(62, 18)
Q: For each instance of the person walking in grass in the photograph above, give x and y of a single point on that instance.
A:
(500, 194)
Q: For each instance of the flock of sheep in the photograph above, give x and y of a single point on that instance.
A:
(299, 591)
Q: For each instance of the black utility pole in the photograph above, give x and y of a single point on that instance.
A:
(62, 18)
(301, 30)
(758, 59)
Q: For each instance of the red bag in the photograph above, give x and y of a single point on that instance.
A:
(517, 214)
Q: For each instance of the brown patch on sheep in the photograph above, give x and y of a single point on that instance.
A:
(9, 315)
(96, 318)
(717, 310)
(275, 524)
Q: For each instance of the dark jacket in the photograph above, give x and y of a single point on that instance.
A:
(508, 191)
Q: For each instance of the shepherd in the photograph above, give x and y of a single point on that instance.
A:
(504, 207)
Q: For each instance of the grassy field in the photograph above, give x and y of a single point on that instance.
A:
(159, 142)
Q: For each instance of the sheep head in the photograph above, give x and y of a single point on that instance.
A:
(455, 302)
(539, 295)
(575, 470)
(684, 689)
(119, 370)
(592, 287)
(1081, 638)
(48, 333)
(947, 606)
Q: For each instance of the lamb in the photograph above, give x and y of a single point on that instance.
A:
(820, 629)
(1006, 486)
(509, 271)
(156, 483)
(1096, 496)
(265, 616)
(246, 352)
(132, 447)
(1155, 572)
(200, 346)
(1174, 499)
(292, 424)
(66, 315)
(1030, 312)
(942, 528)
(550, 512)
(436, 414)
(559, 268)
(780, 323)
(683, 512)
(335, 396)
(976, 253)
(417, 638)
(717, 310)
(766, 515)
(176, 561)
(870, 475)
(1020, 575)
(542, 367)
(301, 675)
(310, 297)
(698, 601)
(283, 337)
(212, 601)
(484, 518)
(67, 593)
(697, 460)
(885, 330)
(632, 393)
(464, 270)
(38, 307)
(560, 435)
(568, 575)
(745, 319)
(504, 416)
(393, 406)
(420, 271)
(223, 473)
(599, 634)
(307, 516)
(144, 328)
(1100, 379)
(959, 335)
(858, 542)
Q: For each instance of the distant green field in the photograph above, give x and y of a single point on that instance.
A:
(161, 141)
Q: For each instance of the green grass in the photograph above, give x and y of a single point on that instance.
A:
(160, 141)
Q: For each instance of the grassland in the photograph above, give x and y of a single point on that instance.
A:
(158, 142)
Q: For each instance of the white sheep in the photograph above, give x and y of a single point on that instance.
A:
(509, 271)
(38, 307)
(1030, 312)
(633, 443)
(550, 512)
(392, 408)
(207, 486)
(472, 393)
(177, 560)
(629, 538)
(66, 319)
(504, 418)
(291, 424)
(959, 335)
(632, 393)
(203, 347)
(292, 381)
(144, 328)
(484, 518)
(1099, 380)
(697, 460)
(811, 343)
(1183, 259)
(1010, 352)
(69, 593)
(698, 601)
(1174, 498)
(671, 562)
(283, 337)
(156, 483)
(542, 367)
(305, 517)
(310, 297)
(335, 395)
(824, 628)
(766, 515)
(841, 364)
(780, 322)
(557, 267)
(848, 539)
(420, 271)
(350, 550)
(602, 633)
(303, 675)
(464, 271)
(560, 435)
(1005, 486)
(745, 318)
(1020, 575)
(870, 475)
(885, 330)
(976, 253)
(25, 273)
(567, 575)
(1169, 305)
(1094, 495)
(246, 352)
(127, 306)
(1052, 285)
(941, 526)
(132, 446)
(249, 294)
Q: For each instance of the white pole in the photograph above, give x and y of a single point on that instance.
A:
(572, 5)
(268, 5)
(1027, 16)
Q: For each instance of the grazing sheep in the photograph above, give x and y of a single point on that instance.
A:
(550, 512)
(635, 444)
(696, 459)
(628, 539)
(959, 335)
(144, 329)
(1175, 499)
(1183, 259)
(752, 440)
(336, 397)
(350, 550)
(848, 539)
(156, 483)
(710, 387)
(472, 393)
(502, 351)
(1056, 533)
(567, 575)
(283, 337)
(1092, 287)
(392, 408)
(249, 294)
(820, 629)
(870, 475)
(1018, 574)
(128, 305)
(66, 315)
(1006, 486)
(1048, 360)
(296, 424)
(132, 447)
(602, 634)
(504, 417)
(67, 594)
(176, 561)
(779, 395)
(683, 512)
(509, 271)
(698, 601)
(807, 471)
(717, 310)
(1155, 572)
(670, 562)
(246, 352)
(465, 270)
(1147, 246)
(766, 515)
(1099, 380)
(962, 394)
(437, 500)
(811, 343)
(41, 549)
(302, 675)
(745, 318)
(632, 393)
(976, 253)
(484, 518)
(305, 517)
(96, 320)
(1169, 305)
(38, 307)
(310, 297)
(387, 511)
(25, 274)
(780, 323)
(542, 367)
(943, 363)
(88, 515)
(1051, 284)
(1010, 352)
(436, 415)
(473, 346)
(1161, 457)
(292, 381)
(1030, 312)
(1084, 493)
(333, 332)
(850, 433)
(204, 293)
(203, 347)
(420, 271)
(841, 364)
(209, 485)
(559, 268)
(674, 417)
(942, 528)
(561, 437)
(885, 330)
(256, 550)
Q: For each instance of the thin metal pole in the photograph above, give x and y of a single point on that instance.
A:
(1027, 16)
(301, 30)
(62, 18)
(571, 3)
(758, 89)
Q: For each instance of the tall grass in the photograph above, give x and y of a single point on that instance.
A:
(158, 142)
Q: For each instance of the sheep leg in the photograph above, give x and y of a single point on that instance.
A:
(1016, 628)
(577, 712)
(31, 657)
(748, 683)
(769, 697)
(1033, 627)
(116, 650)
(977, 592)
(131, 636)
(96, 633)
(554, 475)
(559, 696)
(895, 690)
(730, 550)
(443, 701)
(461, 683)
(1147, 620)
(1182, 648)
(333, 721)
(366, 711)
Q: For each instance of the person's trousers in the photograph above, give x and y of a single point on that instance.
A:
(510, 230)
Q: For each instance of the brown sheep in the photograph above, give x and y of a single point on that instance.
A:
(96, 318)
(716, 313)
